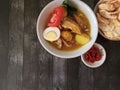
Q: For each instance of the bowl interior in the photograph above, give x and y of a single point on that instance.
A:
(42, 22)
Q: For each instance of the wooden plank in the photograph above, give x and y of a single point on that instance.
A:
(45, 69)
(30, 63)
(40, 70)
(73, 74)
(37, 70)
(4, 14)
(113, 60)
(86, 78)
(16, 28)
(101, 78)
(59, 74)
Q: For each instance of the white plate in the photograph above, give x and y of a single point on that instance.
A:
(96, 63)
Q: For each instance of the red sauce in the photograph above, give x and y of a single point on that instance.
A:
(93, 54)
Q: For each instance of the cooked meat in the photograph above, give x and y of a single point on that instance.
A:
(67, 35)
(78, 20)
(66, 44)
(59, 43)
(68, 23)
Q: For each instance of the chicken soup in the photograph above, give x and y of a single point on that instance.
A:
(67, 28)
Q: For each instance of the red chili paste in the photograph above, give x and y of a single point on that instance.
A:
(93, 54)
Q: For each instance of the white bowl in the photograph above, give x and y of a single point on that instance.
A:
(96, 63)
(41, 22)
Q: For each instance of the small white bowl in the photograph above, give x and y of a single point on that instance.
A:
(41, 23)
(96, 63)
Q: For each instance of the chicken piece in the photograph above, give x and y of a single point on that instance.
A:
(78, 20)
(68, 23)
(59, 43)
(107, 14)
(67, 35)
(102, 19)
(66, 44)
(106, 6)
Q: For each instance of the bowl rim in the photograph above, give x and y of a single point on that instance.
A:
(61, 56)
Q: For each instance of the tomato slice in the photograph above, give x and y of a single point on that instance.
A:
(56, 17)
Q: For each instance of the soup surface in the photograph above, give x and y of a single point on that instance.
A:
(74, 28)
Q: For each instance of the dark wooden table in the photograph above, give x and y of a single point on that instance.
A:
(25, 65)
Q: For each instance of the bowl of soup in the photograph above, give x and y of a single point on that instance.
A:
(67, 29)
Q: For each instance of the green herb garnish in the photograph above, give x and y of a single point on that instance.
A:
(65, 2)
(70, 8)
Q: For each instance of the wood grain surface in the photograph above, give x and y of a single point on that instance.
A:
(26, 65)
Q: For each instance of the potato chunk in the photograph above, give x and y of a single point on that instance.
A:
(82, 39)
